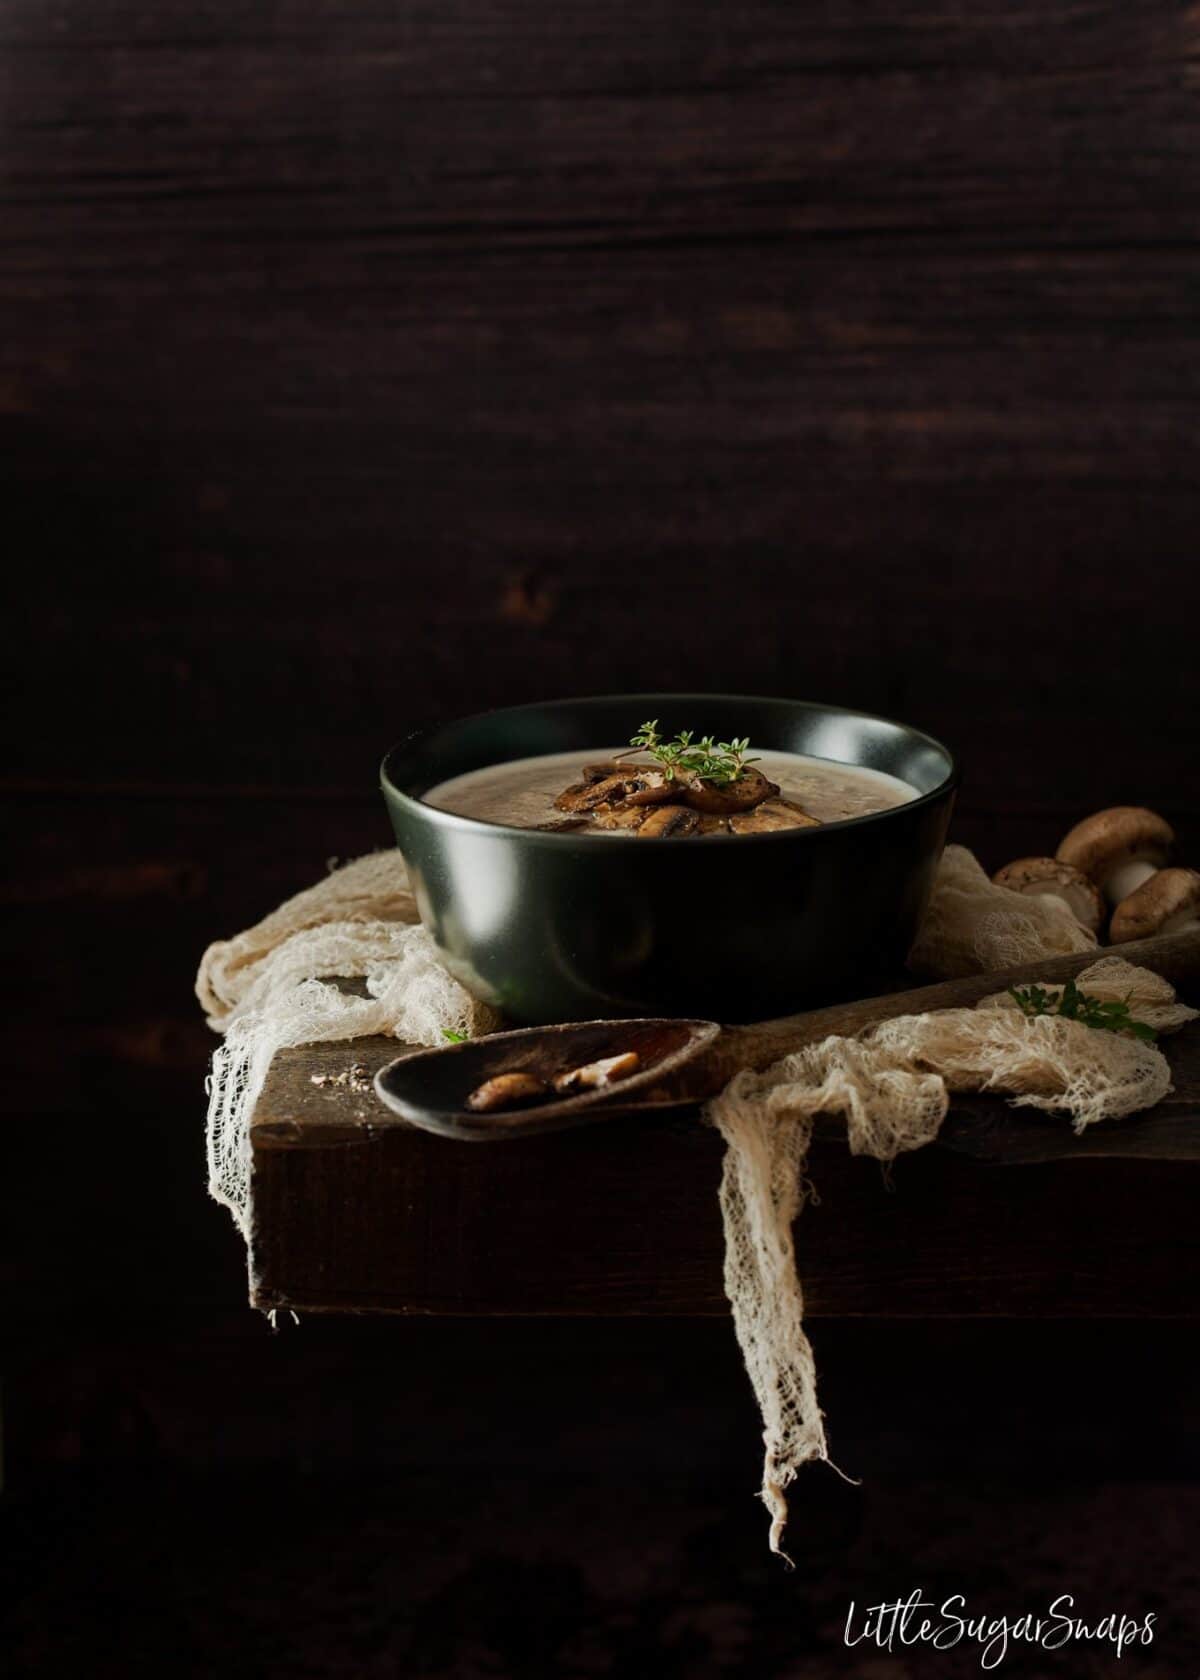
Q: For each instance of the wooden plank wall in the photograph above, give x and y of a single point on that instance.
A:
(367, 364)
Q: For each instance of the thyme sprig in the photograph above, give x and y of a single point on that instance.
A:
(713, 761)
(1074, 1005)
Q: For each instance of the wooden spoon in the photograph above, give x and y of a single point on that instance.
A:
(685, 1061)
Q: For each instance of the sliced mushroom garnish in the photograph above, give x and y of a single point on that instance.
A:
(650, 787)
(592, 1075)
(723, 798)
(624, 786)
(620, 816)
(661, 801)
(585, 796)
(668, 822)
(771, 816)
(505, 1090)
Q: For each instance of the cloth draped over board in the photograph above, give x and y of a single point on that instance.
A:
(276, 985)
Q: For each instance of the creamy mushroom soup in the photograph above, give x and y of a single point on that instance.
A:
(599, 792)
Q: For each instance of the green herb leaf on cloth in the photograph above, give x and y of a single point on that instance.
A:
(1074, 1005)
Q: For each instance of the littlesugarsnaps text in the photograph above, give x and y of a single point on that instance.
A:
(917, 1620)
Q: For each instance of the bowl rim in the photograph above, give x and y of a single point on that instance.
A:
(454, 821)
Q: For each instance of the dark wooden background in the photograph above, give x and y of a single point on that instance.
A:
(363, 364)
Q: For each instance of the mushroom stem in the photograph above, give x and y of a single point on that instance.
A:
(1052, 898)
(1127, 878)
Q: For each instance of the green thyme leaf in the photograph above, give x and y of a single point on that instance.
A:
(713, 761)
(1074, 1005)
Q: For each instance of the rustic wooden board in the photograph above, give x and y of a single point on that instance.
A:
(354, 1211)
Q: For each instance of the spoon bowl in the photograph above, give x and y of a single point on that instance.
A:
(429, 1088)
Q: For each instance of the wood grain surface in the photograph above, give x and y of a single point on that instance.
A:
(863, 342)
(366, 365)
(354, 1211)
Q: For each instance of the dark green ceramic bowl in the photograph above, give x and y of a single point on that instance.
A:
(554, 927)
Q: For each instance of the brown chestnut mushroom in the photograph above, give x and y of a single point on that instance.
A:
(771, 816)
(1167, 903)
(1119, 848)
(721, 799)
(1048, 878)
(668, 822)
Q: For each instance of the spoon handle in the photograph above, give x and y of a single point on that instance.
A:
(1175, 956)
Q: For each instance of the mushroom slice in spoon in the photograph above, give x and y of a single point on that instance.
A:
(668, 822)
(506, 1090)
(593, 1075)
(722, 798)
(770, 817)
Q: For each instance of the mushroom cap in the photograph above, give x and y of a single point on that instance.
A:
(1100, 842)
(771, 815)
(1172, 892)
(674, 822)
(720, 799)
(1037, 875)
(623, 815)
